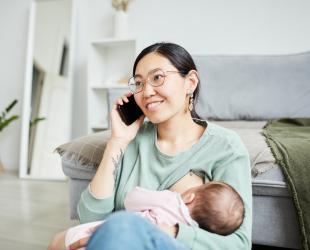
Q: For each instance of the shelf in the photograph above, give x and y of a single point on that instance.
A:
(109, 63)
(109, 42)
(110, 86)
(109, 66)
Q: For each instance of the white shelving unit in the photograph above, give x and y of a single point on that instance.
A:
(110, 63)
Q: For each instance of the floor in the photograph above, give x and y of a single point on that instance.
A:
(31, 212)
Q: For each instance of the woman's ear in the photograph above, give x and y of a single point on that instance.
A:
(192, 80)
(188, 198)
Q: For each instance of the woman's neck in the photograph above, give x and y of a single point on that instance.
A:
(177, 134)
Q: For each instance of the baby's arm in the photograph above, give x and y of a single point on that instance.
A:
(79, 235)
(75, 237)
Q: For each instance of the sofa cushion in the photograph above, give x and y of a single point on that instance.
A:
(85, 152)
(254, 87)
(250, 132)
(267, 176)
(81, 157)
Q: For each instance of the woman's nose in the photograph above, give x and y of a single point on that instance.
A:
(148, 89)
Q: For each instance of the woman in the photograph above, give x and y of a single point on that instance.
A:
(159, 153)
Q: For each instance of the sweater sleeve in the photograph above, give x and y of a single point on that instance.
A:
(91, 208)
(234, 170)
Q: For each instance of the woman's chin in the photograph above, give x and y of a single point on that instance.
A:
(160, 117)
(155, 120)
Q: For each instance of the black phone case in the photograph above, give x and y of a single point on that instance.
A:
(130, 111)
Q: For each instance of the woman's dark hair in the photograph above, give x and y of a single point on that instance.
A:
(179, 58)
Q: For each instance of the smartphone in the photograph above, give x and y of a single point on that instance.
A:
(129, 111)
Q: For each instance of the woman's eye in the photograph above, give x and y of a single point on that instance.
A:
(157, 77)
(138, 83)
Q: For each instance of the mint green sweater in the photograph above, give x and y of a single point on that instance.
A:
(218, 155)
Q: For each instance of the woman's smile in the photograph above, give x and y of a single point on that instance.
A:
(153, 105)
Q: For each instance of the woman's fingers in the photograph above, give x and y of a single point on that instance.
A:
(119, 101)
(128, 94)
(123, 98)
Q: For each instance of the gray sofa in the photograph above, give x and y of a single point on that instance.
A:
(240, 93)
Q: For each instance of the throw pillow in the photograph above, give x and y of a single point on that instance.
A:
(87, 149)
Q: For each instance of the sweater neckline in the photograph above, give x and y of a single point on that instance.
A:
(201, 141)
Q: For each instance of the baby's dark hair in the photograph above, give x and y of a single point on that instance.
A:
(218, 208)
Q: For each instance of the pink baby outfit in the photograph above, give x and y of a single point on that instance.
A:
(159, 207)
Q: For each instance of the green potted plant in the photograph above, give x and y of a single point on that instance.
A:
(5, 121)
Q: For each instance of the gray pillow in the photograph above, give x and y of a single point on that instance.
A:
(83, 155)
(250, 133)
(254, 87)
(87, 150)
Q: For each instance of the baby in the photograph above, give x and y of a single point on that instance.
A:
(214, 206)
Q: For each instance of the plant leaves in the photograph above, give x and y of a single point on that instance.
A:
(36, 120)
(11, 106)
(6, 122)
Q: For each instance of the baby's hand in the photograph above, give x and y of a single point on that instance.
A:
(170, 230)
(78, 244)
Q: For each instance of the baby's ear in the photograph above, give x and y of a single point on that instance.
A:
(188, 198)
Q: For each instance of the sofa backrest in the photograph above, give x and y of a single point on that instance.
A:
(254, 87)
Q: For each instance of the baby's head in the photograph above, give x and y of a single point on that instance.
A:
(215, 206)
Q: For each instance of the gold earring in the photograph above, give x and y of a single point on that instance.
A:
(191, 102)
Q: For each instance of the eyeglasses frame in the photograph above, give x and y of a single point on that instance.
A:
(147, 80)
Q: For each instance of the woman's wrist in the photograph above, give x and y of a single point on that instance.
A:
(120, 142)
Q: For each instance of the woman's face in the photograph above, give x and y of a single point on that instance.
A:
(164, 102)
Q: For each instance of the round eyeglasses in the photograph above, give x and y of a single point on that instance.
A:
(155, 77)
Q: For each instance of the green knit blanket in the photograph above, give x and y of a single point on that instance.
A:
(289, 140)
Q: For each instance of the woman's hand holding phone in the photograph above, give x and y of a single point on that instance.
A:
(103, 183)
(120, 131)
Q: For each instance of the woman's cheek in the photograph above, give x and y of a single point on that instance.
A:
(138, 99)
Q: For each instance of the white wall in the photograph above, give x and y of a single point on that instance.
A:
(201, 26)
(225, 27)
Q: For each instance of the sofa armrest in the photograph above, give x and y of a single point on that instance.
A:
(80, 159)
